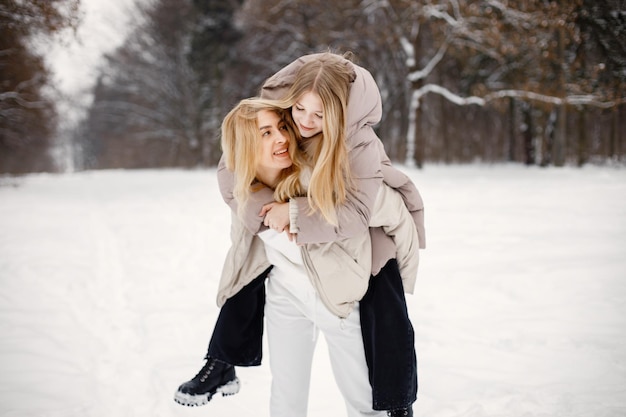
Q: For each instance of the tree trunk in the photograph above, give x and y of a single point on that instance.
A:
(447, 148)
(612, 151)
(549, 139)
(560, 136)
(414, 140)
(512, 126)
(529, 154)
(615, 151)
(560, 141)
(582, 138)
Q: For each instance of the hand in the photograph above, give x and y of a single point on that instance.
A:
(276, 216)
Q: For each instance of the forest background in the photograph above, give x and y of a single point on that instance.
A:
(529, 81)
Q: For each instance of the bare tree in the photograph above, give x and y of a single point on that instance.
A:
(161, 96)
(147, 108)
(520, 50)
(460, 80)
(27, 116)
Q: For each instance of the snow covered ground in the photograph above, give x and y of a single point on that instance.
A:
(108, 279)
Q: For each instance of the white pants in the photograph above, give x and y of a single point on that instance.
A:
(294, 315)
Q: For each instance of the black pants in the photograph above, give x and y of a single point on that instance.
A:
(388, 336)
(388, 339)
(238, 334)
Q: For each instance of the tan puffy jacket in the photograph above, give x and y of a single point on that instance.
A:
(340, 270)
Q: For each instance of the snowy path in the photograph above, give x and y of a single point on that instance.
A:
(107, 294)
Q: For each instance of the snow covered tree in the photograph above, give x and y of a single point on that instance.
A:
(539, 81)
(276, 32)
(159, 100)
(214, 60)
(27, 116)
(603, 57)
(481, 52)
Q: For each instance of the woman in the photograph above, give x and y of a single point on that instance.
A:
(311, 287)
(354, 204)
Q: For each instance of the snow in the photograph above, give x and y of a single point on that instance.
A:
(108, 281)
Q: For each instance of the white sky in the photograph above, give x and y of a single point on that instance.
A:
(74, 60)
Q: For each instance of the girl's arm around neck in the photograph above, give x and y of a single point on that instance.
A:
(354, 215)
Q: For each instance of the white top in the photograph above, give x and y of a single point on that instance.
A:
(288, 271)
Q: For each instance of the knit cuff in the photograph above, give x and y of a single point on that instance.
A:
(293, 216)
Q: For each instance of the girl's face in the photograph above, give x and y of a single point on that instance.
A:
(308, 114)
(273, 144)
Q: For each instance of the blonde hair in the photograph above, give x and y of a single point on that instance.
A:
(240, 144)
(329, 76)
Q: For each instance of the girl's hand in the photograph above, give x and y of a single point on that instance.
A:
(276, 216)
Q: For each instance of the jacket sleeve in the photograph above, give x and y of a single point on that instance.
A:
(244, 261)
(354, 215)
(250, 216)
(391, 214)
(399, 181)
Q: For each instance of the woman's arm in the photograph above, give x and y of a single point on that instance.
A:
(251, 218)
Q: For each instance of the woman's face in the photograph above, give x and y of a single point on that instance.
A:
(273, 144)
(308, 114)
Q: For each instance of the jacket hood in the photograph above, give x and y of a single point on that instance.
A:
(364, 103)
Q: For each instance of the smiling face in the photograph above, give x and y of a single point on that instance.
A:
(273, 154)
(308, 114)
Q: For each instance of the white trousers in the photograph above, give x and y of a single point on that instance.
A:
(294, 315)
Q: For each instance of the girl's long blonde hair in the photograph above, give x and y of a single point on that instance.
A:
(329, 76)
(240, 145)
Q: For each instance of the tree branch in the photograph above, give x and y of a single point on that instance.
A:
(588, 100)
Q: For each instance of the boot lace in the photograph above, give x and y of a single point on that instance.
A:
(205, 371)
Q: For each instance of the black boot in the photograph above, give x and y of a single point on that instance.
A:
(403, 412)
(215, 376)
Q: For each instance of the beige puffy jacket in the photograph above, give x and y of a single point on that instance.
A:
(340, 270)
